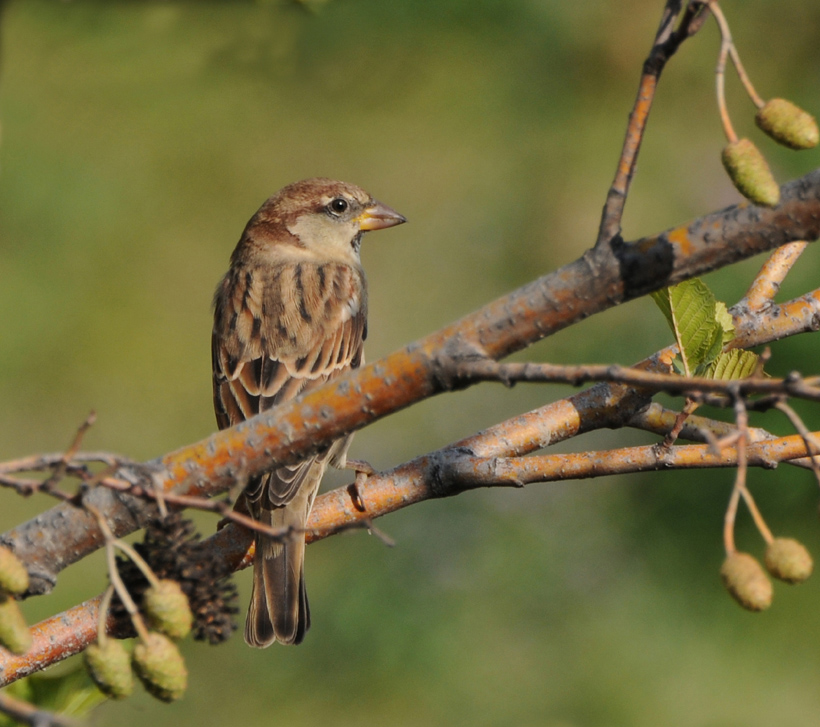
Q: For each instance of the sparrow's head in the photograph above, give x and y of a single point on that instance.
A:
(326, 217)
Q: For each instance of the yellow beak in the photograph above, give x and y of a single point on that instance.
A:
(378, 216)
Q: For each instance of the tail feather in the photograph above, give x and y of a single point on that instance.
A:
(279, 608)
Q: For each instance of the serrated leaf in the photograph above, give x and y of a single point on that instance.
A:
(661, 298)
(734, 364)
(690, 309)
(713, 352)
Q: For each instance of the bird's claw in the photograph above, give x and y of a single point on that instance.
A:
(363, 471)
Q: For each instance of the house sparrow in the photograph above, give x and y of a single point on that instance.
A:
(291, 314)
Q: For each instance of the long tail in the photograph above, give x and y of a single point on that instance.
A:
(279, 608)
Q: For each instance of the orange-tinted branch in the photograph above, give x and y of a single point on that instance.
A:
(443, 475)
(767, 282)
(597, 281)
(603, 405)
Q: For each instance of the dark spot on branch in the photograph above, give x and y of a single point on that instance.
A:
(644, 265)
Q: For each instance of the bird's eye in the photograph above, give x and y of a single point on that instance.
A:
(338, 205)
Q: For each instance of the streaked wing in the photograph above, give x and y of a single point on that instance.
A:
(279, 332)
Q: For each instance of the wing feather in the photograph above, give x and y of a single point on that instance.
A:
(278, 333)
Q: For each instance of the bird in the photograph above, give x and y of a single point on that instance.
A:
(289, 315)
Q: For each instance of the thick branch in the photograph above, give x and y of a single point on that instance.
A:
(603, 405)
(445, 474)
(599, 280)
(471, 472)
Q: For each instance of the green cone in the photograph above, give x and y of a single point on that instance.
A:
(110, 668)
(750, 173)
(788, 124)
(160, 667)
(746, 580)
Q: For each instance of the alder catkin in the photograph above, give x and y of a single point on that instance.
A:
(167, 610)
(788, 560)
(160, 667)
(746, 580)
(750, 173)
(788, 124)
(110, 667)
(13, 574)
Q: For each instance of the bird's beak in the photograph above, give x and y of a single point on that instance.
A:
(378, 216)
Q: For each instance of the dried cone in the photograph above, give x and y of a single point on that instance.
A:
(746, 580)
(788, 124)
(109, 665)
(167, 610)
(788, 560)
(750, 173)
(160, 667)
(13, 574)
(14, 631)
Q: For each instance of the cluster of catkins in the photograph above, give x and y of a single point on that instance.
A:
(788, 125)
(185, 590)
(786, 559)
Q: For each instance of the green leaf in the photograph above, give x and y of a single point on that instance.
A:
(677, 366)
(691, 310)
(71, 693)
(724, 318)
(734, 364)
(662, 300)
(712, 353)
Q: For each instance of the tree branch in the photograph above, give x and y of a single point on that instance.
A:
(509, 374)
(600, 279)
(597, 281)
(445, 473)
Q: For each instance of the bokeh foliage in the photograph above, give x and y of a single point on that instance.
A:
(138, 138)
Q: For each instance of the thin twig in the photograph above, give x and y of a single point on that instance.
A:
(729, 520)
(667, 41)
(105, 604)
(689, 408)
(720, 73)
(59, 470)
(659, 420)
(742, 420)
(489, 370)
(114, 574)
(726, 35)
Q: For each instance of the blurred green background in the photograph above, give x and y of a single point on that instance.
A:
(138, 138)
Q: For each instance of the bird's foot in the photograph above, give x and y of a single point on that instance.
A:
(363, 471)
